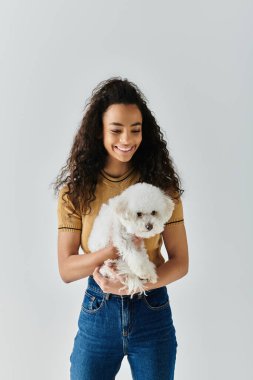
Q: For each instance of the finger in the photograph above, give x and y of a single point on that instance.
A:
(117, 251)
(112, 270)
(110, 264)
(113, 275)
(121, 278)
(95, 270)
(97, 274)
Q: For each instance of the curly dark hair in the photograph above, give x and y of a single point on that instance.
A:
(88, 155)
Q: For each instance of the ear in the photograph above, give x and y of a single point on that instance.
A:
(170, 205)
(119, 205)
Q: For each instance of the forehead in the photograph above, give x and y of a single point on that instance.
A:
(122, 113)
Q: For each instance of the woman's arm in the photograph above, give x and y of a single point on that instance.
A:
(73, 266)
(175, 241)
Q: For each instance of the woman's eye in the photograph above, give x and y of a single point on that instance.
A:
(117, 131)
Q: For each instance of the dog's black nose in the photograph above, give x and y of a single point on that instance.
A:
(149, 226)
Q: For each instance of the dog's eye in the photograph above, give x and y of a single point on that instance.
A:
(139, 213)
(153, 213)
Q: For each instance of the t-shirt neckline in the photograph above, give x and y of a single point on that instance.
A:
(117, 179)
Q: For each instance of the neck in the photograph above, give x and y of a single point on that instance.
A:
(117, 169)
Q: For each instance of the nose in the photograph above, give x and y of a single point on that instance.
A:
(125, 137)
(149, 226)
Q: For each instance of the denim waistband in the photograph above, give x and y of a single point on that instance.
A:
(96, 288)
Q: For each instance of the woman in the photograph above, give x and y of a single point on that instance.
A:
(118, 144)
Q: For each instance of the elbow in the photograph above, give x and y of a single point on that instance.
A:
(185, 265)
(185, 270)
(182, 273)
(64, 271)
(64, 278)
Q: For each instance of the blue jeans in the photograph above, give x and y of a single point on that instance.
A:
(111, 326)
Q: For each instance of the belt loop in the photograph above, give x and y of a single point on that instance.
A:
(107, 296)
(139, 295)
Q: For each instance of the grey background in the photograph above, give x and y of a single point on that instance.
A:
(193, 61)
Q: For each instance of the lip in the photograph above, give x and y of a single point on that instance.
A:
(124, 151)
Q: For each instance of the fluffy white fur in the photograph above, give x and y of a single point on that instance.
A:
(142, 210)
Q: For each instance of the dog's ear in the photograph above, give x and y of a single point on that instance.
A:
(119, 205)
(170, 205)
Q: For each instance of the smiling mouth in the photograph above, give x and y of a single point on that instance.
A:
(124, 150)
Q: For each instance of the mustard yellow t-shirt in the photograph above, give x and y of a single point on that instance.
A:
(108, 187)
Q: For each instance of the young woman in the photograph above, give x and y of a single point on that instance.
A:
(118, 144)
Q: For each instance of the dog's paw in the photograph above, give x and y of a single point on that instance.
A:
(153, 278)
(149, 277)
(147, 272)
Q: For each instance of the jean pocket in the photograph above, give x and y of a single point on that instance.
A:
(92, 301)
(157, 299)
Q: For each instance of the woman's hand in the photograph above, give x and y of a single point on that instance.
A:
(109, 285)
(111, 252)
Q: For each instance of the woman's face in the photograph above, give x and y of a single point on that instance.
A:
(122, 131)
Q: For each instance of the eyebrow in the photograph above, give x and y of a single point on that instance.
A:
(121, 125)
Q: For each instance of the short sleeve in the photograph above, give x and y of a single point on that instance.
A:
(177, 215)
(65, 207)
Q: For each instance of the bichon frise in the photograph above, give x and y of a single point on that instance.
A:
(141, 210)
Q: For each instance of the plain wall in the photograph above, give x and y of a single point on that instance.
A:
(193, 62)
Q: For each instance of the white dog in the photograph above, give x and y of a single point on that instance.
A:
(141, 210)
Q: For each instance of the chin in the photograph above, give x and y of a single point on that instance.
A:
(122, 159)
